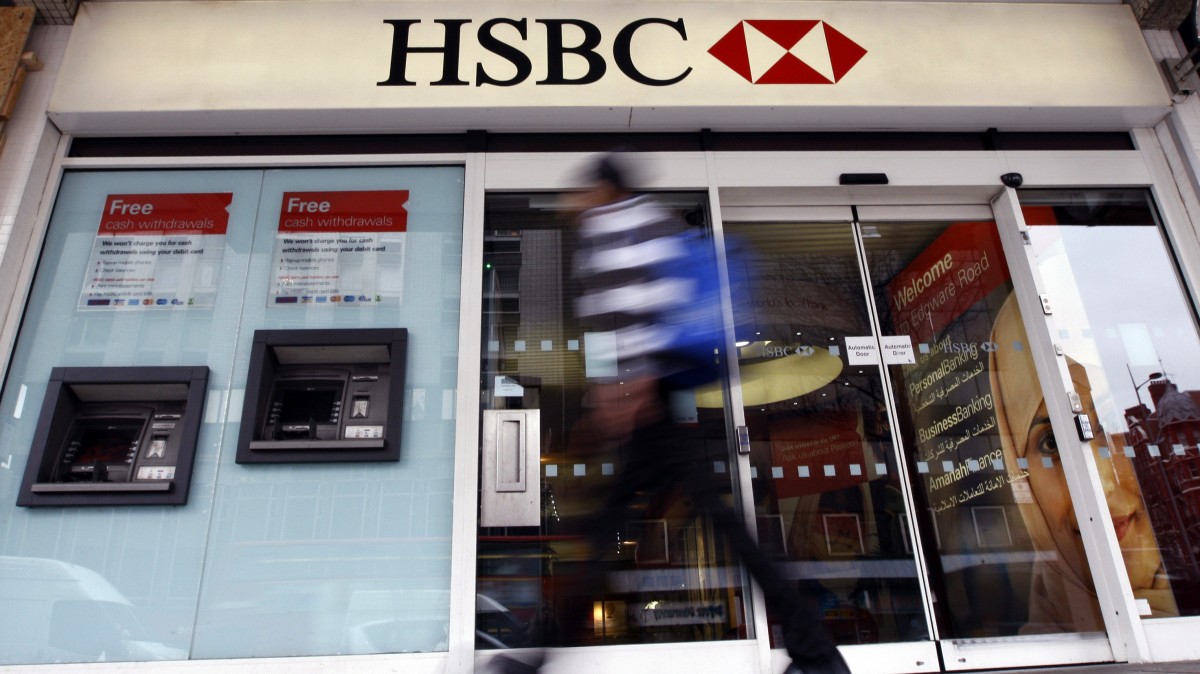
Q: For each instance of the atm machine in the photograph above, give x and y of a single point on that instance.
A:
(115, 436)
(324, 396)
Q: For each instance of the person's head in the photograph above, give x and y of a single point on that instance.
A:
(606, 179)
(1025, 432)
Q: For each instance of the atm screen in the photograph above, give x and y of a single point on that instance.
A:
(110, 443)
(105, 442)
(302, 405)
(115, 436)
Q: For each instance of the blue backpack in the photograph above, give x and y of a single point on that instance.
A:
(698, 338)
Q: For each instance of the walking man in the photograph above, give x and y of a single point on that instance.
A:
(626, 243)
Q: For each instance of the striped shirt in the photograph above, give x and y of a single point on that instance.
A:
(622, 246)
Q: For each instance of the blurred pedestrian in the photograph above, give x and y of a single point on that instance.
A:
(627, 243)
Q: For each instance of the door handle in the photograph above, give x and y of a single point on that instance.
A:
(510, 453)
(743, 440)
(511, 494)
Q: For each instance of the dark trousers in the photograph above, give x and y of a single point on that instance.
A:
(664, 456)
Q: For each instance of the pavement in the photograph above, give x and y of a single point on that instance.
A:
(1155, 668)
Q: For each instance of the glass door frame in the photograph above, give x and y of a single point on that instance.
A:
(739, 206)
(786, 179)
(947, 177)
(955, 654)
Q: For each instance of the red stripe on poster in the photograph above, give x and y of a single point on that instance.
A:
(165, 214)
(358, 211)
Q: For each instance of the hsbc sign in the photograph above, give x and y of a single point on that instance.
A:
(763, 51)
(197, 66)
(802, 47)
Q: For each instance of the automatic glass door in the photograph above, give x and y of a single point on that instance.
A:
(898, 450)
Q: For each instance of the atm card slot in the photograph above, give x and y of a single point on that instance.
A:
(336, 445)
(96, 487)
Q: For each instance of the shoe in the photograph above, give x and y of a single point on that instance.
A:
(832, 664)
(502, 664)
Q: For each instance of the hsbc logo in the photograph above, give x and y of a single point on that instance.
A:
(787, 52)
(760, 51)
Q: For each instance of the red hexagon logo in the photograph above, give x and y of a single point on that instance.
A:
(787, 52)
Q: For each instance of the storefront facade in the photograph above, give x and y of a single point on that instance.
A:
(958, 405)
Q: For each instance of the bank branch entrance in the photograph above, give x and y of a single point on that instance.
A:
(887, 425)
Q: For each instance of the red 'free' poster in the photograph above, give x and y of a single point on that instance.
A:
(339, 248)
(157, 251)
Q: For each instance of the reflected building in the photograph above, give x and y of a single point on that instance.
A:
(1164, 443)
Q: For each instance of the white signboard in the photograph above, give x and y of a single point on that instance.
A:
(157, 251)
(360, 65)
(507, 387)
(862, 350)
(898, 350)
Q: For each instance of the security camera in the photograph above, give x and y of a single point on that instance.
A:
(1013, 180)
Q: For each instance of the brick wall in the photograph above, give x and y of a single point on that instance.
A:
(1161, 14)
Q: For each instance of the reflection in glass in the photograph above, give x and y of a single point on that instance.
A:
(60, 612)
(998, 526)
(826, 483)
(1130, 335)
(1062, 592)
(670, 577)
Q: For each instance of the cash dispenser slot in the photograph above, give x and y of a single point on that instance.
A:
(115, 436)
(323, 396)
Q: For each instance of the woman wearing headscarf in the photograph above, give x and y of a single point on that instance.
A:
(1062, 596)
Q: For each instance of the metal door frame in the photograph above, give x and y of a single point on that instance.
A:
(955, 654)
(919, 656)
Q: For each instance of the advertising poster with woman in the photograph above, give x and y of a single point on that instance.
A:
(987, 467)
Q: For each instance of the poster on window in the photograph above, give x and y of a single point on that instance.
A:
(339, 248)
(989, 472)
(157, 251)
(948, 299)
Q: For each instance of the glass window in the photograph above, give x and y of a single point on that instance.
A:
(827, 488)
(1005, 556)
(1129, 333)
(336, 558)
(670, 576)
